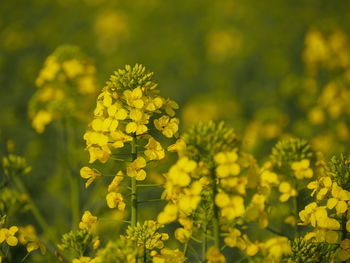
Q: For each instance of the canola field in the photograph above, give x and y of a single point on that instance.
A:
(174, 132)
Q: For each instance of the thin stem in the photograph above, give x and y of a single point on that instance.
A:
(216, 227)
(295, 204)
(204, 241)
(35, 210)
(133, 184)
(185, 248)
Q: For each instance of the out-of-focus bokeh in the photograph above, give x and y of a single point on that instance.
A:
(269, 69)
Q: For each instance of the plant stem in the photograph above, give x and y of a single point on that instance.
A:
(204, 242)
(133, 183)
(35, 210)
(216, 227)
(295, 203)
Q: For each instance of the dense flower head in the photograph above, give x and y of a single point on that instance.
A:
(66, 86)
(289, 151)
(147, 236)
(130, 106)
(204, 140)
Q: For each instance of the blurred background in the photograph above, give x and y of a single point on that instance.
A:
(269, 69)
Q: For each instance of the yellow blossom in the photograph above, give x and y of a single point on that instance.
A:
(167, 126)
(226, 164)
(137, 125)
(8, 235)
(114, 185)
(82, 260)
(88, 221)
(287, 191)
(301, 169)
(321, 186)
(169, 106)
(169, 256)
(312, 214)
(154, 150)
(90, 174)
(99, 153)
(27, 236)
(179, 173)
(182, 234)
(344, 253)
(40, 120)
(191, 198)
(168, 215)
(119, 138)
(339, 198)
(214, 255)
(135, 170)
(234, 208)
(115, 200)
(234, 239)
(134, 98)
(277, 247)
(73, 68)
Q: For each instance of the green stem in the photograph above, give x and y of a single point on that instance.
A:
(204, 241)
(133, 184)
(35, 210)
(185, 248)
(216, 227)
(295, 203)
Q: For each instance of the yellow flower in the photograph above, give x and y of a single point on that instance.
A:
(214, 255)
(96, 138)
(182, 234)
(169, 106)
(72, 68)
(137, 125)
(313, 214)
(256, 210)
(179, 147)
(179, 173)
(325, 231)
(115, 200)
(191, 198)
(287, 191)
(268, 178)
(119, 138)
(222, 199)
(340, 196)
(169, 256)
(301, 169)
(135, 169)
(167, 126)
(277, 247)
(227, 165)
(8, 235)
(82, 260)
(154, 150)
(168, 215)
(153, 104)
(234, 239)
(99, 153)
(27, 236)
(88, 173)
(234, 208)
(40, 120)
(344, 253)
(321, 186)
(88, 221)
(134, 98)
(114, 185)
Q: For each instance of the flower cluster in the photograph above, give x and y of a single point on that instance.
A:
(66, 86)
